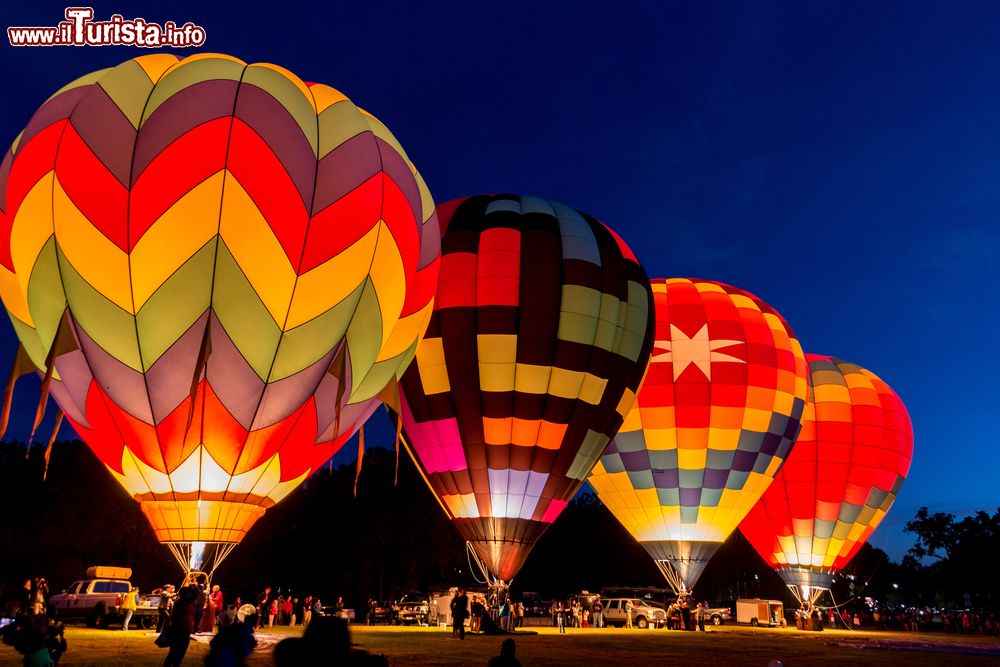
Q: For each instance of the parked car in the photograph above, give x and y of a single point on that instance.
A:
(412, 609)
(98, 598)
(720, 615)
(644, 614)
(380, 613)
(534, 605)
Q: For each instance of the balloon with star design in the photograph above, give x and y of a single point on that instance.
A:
(715, 418)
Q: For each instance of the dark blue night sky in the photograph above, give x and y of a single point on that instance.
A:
(840, 160)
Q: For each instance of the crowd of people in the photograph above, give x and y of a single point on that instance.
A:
(914, 619)
(198, 608)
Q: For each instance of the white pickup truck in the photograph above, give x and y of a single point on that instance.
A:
(98, 598)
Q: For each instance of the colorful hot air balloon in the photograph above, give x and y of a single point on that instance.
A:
(218, 268)
(714, 420)
(839, 481)
(537, 344)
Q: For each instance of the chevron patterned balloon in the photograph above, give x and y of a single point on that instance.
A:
(220, 267)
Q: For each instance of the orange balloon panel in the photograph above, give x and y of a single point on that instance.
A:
(840, 479)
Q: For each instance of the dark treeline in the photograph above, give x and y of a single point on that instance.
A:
(394, 539)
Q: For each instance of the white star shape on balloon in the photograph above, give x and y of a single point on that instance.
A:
(700, 350)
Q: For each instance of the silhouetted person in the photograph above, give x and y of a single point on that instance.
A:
(506, 657)
(200, 601)
(326, 641)
(459, 610)
(235, 641)
(37, 638)
(181, 626)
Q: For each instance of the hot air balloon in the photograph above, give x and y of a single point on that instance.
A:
(217, 268)
(714, 420)
(538, 341)
(839, 481)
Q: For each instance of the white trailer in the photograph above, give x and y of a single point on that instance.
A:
(760, 612)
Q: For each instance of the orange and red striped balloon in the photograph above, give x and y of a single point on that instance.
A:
(839, 480)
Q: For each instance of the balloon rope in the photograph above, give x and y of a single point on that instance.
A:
(671, 575)
(177, 549)
(222, 549)
(416, 464)
(837, 615)
(473, 557)
(52, 440)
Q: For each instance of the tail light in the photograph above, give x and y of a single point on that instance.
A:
(118, 599)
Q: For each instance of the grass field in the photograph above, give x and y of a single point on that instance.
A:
(641, 648)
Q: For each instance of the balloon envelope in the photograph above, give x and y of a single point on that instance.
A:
(222, 266)
(539, 338)
(840, 479)
(715, 418)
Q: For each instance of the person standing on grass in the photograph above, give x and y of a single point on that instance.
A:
(272, 611)
(129, 605)
(217, 603)
(597, 609)
(628, 613)
(181, 626)
(263, 601)
(167, 597)
(505, 615)
(200, 602)
(561, 618)
(478, 609)
(459, 610)
(307, 611)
